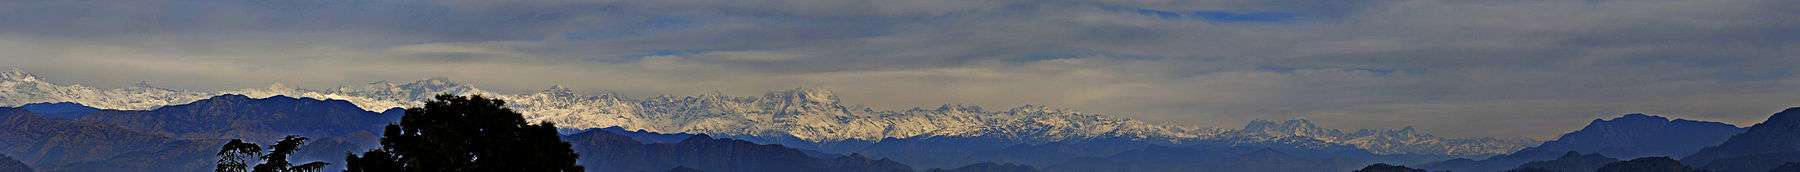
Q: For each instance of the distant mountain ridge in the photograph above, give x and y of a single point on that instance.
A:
(64, 110)
(1764, 146)
(1639, 135)
(1405, 140)
(185, 137)
(1627, 136)
(804, 114)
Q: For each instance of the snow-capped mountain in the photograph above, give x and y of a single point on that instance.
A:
(20, 88)
(809, 114)
(1385, 141)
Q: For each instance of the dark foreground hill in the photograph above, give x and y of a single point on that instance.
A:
(183, 137)
(1648, 164)
(9, 164)
(55, 144)
(1162, 158)
(1573, 161)
(606, 151)
(988, 167)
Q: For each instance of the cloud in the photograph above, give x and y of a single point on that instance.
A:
(752, 56)
(1214, 16)
(1473, 68)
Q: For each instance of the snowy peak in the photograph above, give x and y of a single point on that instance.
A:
(16, 74)
(1406, 140)
(958, 108)
(806, 95)
(1407, 131)
(436, 85)
(143, 84)
(18, 87)
(1033, 109)
(1290, 128)
(558, 90)
(434, 82)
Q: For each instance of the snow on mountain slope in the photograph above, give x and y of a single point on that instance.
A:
(20, 88)
(1386, 141)
(809, 114)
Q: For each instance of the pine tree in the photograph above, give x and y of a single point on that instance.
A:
(235, 156)
(455, 133)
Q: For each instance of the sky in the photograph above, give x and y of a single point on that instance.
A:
(1454, 68)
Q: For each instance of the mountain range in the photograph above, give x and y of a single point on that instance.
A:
(1627, 136)
(74, 136)
(185, 137)
(1763, 146)
(810, 115)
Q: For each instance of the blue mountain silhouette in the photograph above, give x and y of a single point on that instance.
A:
(1773, 142)
(182, 137)
(606, 151)
(65, 110)
(1631, 135)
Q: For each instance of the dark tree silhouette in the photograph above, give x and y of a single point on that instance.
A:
(1647, 164)
(1383, 167)
(235, 157)
(455, 133)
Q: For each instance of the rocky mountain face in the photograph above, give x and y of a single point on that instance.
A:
(809, 115)
(1764, 146)
(1631, 135)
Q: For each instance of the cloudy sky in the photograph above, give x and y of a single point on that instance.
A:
(1457, 68)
